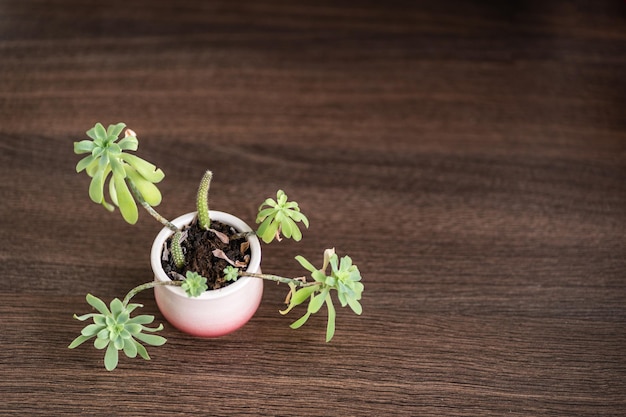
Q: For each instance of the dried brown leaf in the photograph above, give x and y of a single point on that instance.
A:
(218, 253)
(221, 236)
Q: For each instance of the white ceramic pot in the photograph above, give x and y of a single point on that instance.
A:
(216, 312)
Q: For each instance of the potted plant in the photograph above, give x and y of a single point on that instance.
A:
(208, 281)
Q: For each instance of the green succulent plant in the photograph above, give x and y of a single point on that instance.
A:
(194, 284)
(344, 278)
(133, 180)
(280, 217)
(131, 174)
(115, 329)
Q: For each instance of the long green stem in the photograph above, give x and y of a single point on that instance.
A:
(202, 201)
(150, 209)
(177, 250)
(147, 286)
(298, 282)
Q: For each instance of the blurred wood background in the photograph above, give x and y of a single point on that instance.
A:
(470, 156)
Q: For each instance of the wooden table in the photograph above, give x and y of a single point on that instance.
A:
(469, 156)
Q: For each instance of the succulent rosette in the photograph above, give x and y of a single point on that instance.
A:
(115, 330)
(132, 177)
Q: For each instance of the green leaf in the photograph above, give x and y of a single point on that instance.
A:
(149, 329)
(101, 343)
(319, 276)
(91, 330)
(118, 343)
(125, 200)
(148, 190)
(268, 202)
(116, 306)
(263, 214)
(110, 358)
(355, 306)
(79, 341)
(123, 316)
(298, 297)
(130, 348)
(333, 263)
(87, 316)
(132, 306)
(115, 130)
(84, 146)
(345, 264)
(96, 187)
(143, 167)
(281, 197)
(303, 294)
(261, 231)
(330, 325)
(128, 143)
(286, 224)
(358, 289)
(305, 221)
(112, 192)
(108, 206)
(142, 350)
(98, 304)
(298, 323)
(142, 319)
(92, 133)
(151, 339)
(270, 232)
(355, 274)
(93, 167)
(296, 234)
(317, 301)
(279, 217)
(305, 264)
(133, 328)
(298, 217)
(100, 132)
(84, 163)
(118, 167)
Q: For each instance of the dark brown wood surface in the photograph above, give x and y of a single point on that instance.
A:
(469, 156)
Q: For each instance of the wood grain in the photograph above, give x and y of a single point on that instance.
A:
(469, 156)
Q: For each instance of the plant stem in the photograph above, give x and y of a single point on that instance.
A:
(147, 286)
(150, 209)
(177, 250)
(202, 201)
(298, 282)
(242, 234)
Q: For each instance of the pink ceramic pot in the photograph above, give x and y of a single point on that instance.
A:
(217, 312)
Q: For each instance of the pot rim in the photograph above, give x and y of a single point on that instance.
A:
(254, 264)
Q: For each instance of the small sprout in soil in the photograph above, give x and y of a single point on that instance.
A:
(194, 284)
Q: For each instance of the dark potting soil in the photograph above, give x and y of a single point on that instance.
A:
(204, 251)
